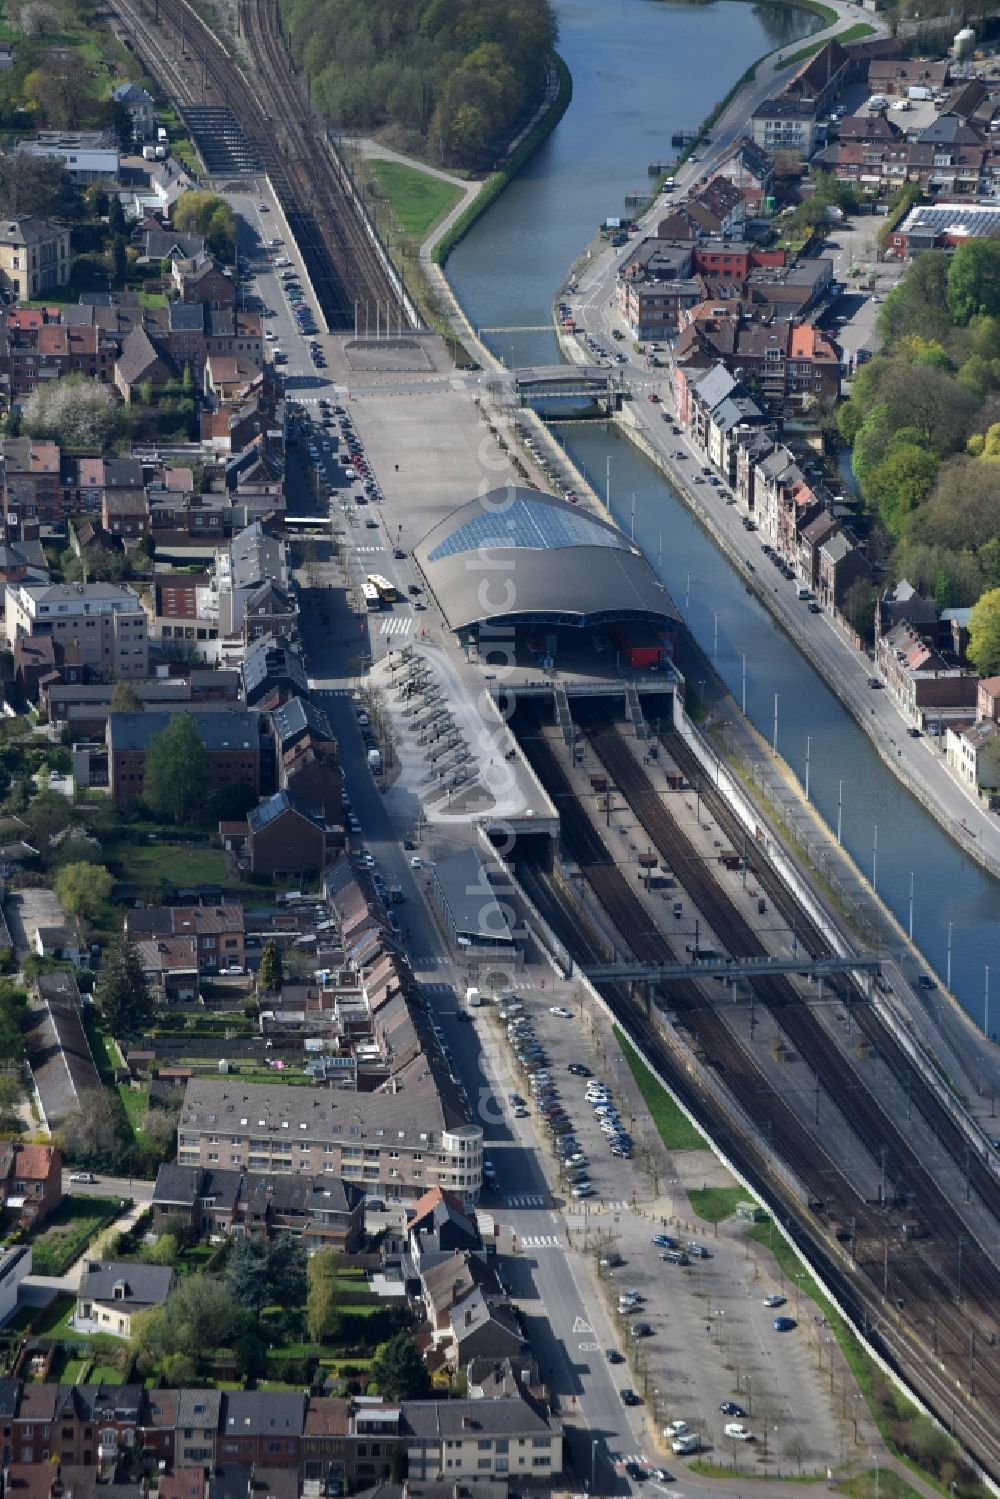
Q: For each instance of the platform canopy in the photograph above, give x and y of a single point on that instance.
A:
(521, 556)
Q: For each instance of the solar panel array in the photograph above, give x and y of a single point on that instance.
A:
(527, 525)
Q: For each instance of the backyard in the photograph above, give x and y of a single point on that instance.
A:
(68, 1231)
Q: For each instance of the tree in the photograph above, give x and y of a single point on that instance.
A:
(246, 1274)
(13, 1013)
(98, 1132)
(984, 634)
(269, 973)
(125, 699)
(176, 775)
(61, 89)
(399, 1370)
(899, 483)
(261, 1272)
(123, 996)
(83, 890)
(974, 281)
(322, 1299)
(197, 1317)
(78, 411)
(48, 814)
(38, 187)
(796, 1448)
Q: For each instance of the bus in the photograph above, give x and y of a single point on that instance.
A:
(370, 594)
(386, 590)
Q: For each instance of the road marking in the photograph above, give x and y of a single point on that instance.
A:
(539, 1241)
(580, 1326)
(589, 1347)
(400, 626)
(526, 1200)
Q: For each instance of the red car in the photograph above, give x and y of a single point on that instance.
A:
(654, 398)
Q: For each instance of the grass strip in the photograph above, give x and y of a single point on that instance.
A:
(675, 1129)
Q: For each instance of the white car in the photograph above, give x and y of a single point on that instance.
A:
(87, 1177)
(675, 1429)
(583, 1189)
(263, 208)
(562, 1011)
(415, 861)
(738, 1432)
(688, 1441)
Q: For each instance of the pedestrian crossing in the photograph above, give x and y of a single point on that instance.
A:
(370, 549)
(526, 1200)
(398, 626)
(539, 1241)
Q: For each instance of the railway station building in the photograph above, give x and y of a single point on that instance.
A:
(519, 565)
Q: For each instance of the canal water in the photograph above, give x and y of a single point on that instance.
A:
(641, 70)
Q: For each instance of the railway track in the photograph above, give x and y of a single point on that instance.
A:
(910, 1313)
(193, 65)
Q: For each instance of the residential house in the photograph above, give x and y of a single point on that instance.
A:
(217, 932)
(30, 1181)
(34, 257)
(840, 564)
(285, 840)
(199, 1413)
(202, 279)
(261, 1426)
(973, 752)
(231, 739)
(15, 1264)
(125, 513)
(750, 170)
(142, 361)
(272, 672)
(111, 1293)
(988, 699)
(322, 1211)
(139, 107)
(785, 123)
(925, 683)
(441, 1220)
(482, 1326)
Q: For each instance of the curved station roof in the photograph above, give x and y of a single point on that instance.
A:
(522, 556)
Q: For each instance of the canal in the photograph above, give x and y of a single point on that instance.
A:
(641, 70)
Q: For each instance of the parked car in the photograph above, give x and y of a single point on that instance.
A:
(737, 1432)
(774, 1300)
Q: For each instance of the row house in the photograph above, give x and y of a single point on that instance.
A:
(218, 932)
(925, 681)
(36, 346)
(750, 170)
(30, 476)
(973, 752)
(202, 279)
(322, 1212)
(792, 364)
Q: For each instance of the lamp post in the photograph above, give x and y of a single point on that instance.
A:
(593, 1465)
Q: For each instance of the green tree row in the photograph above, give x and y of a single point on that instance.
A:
(923, 420)
(456, 75)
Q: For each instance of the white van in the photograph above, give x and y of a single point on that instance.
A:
(473, 998)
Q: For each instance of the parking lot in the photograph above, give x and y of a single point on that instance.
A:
(711, 1339)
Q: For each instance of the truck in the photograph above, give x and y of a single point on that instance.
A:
(919, 92)
(161, 135)
(375, 761)
(473, 998)
(149, 153)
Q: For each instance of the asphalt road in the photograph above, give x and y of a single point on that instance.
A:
(126, 1187)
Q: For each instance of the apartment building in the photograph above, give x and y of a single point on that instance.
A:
(231, 739)
(34, 256)
(462, 1439)
(105, 622)
(410, 1135)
